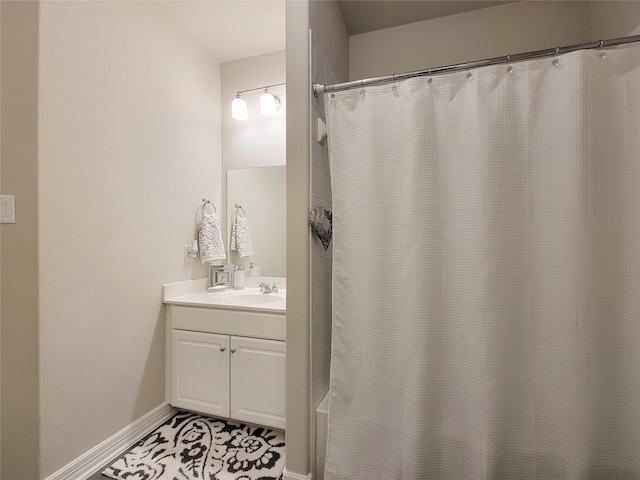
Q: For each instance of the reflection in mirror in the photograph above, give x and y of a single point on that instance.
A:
(261, 192)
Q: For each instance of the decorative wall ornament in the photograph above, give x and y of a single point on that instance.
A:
(321, 221)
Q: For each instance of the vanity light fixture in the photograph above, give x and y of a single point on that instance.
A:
(269, 103)
(239, 108)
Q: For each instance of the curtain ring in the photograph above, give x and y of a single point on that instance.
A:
(469, 74)
(508, 58)
(556, 62)
(601, 55)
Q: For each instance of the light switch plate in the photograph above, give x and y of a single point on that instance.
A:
(7, 209)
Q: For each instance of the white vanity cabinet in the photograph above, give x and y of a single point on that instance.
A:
(258, 375)
(200, 372)
(228, 363)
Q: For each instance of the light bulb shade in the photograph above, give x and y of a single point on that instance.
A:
(239, 109)
(268, 103)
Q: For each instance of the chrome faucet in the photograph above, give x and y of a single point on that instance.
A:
(266, 288)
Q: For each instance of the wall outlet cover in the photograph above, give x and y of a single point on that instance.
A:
(7, 209)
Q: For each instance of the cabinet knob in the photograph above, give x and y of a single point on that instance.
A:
(222, 349)
(233, 350)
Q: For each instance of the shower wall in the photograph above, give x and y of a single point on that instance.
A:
(320, 258)
(614, 19)
(523, 26)
(328, 64)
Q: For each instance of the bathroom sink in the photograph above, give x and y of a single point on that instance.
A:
(249, 298)
(254, 298)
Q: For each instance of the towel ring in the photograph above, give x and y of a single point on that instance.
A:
(239, 207)
(204, 204)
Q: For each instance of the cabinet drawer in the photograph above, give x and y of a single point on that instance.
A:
(230, 322)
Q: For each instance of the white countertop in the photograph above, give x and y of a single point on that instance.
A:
(194, 293)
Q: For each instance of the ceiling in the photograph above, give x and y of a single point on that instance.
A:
(230, 29)
(361, 16)
(234, 29)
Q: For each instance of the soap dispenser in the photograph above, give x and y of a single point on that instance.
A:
(253, 270)
(238, 277)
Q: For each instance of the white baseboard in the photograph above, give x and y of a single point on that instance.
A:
(296, 476)
(89, 463)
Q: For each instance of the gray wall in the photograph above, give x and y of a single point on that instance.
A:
(110, 122)
(19, 405)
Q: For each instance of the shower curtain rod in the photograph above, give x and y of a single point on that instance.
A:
(518, 57)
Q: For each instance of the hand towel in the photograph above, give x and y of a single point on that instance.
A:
(240, 238)
(210, 239)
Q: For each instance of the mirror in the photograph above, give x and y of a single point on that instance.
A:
(261, 192)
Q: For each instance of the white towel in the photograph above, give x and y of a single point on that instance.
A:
(240, 238)
(210, 239)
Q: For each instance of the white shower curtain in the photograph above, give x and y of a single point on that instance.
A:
(486, 274)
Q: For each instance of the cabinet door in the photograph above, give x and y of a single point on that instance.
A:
(200, 372)
(258, 381)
